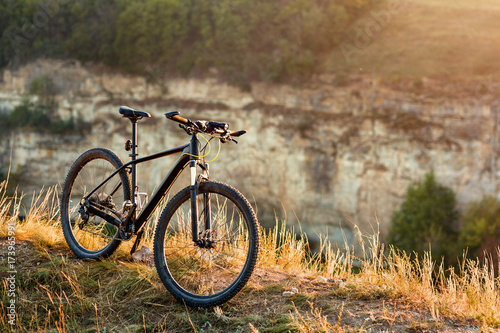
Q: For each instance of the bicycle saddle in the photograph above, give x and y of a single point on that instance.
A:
(130, 113)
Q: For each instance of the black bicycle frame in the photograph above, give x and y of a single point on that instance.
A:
(189, 155)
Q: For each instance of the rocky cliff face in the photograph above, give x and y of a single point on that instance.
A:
(328, 155)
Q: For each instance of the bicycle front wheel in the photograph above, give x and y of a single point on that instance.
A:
(215, 269)
(91, 237)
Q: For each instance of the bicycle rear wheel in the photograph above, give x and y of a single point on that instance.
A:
(215, 270)
(92, 237)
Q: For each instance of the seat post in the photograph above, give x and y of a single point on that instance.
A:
(134, 156)
(134, 116)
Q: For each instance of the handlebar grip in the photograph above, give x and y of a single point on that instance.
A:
(238, 133)
(215, 124)
(174, 115)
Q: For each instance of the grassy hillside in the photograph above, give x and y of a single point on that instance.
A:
(53, 291)
(457, 40)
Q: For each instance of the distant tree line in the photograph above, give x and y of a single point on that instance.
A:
(243, 40)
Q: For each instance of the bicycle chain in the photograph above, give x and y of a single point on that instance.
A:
(95, 233)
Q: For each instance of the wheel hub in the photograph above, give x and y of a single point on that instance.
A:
(207, 247)
(205, 244)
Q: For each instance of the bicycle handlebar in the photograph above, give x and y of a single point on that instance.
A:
(174, 115)
(209, 127)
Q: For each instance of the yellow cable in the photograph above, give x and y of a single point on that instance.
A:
(215, 155)
(209, 150)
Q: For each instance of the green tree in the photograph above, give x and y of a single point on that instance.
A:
(151, 32)
(480, 233)
(93, 30)
(425, 220)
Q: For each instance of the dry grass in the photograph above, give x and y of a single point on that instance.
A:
(56, 292)
(39, 223)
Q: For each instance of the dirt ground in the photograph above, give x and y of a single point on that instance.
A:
(268, 304)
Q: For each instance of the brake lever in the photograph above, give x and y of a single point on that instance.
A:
(226, 137)
(189, 130)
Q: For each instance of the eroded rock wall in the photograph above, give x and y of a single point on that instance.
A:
(324, 156)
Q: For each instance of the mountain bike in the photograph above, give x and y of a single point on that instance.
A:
(206, 241)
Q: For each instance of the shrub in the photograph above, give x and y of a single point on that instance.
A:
(41, 115)
(480, 233)
(28, 116)
(43, 86)
(33, 117)
(425, 220)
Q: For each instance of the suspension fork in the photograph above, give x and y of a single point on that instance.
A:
(194, 187)
(207, 201)
(207, 207)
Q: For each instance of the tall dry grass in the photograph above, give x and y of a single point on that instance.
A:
(38, 221)
(471, 292)
(64, 291)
